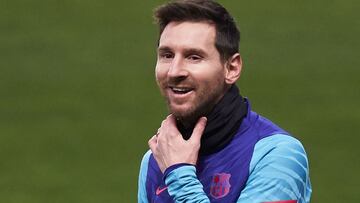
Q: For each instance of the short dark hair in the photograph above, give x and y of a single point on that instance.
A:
(227, 34)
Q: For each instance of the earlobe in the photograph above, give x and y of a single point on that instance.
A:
(233, 69)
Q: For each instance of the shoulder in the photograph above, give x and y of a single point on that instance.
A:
(142, 193)
(279, 140)
(278, 148)
(145, 159)
(144, 166)
(278, 170)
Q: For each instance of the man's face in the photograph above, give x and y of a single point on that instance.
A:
(189, 71)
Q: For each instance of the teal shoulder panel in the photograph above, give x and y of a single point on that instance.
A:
(278, 171)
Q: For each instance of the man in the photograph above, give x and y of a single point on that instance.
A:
(212, 147)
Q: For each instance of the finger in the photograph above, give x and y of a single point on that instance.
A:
(170, 128)
(166, 120)
(157, 133)
(152, 143)
(172, 124)
(163, 123)
(161, 129)
(171, 120)
(198, 130)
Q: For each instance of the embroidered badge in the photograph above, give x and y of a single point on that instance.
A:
(220, 185)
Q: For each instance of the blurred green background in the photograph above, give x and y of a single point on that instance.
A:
(78, 100)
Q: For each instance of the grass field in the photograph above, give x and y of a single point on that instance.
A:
(78, 100)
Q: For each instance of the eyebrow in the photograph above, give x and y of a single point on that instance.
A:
(187, 51)
(164, 49)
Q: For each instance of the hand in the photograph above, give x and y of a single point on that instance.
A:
(169, 147)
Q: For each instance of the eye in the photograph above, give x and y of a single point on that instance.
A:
(194, 57)
(166, 55)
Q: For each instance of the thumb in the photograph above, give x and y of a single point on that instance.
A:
(198, 130)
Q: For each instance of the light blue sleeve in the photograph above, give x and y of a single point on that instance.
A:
(278, 171)
(183, 185)
(142, 196)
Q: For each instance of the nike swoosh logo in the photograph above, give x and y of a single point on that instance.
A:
(158, 190)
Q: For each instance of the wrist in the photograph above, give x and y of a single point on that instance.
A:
(171, 168)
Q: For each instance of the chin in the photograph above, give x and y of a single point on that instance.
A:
(187, 116)
(182, 112)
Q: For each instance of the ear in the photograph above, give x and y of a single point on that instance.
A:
(233, 69)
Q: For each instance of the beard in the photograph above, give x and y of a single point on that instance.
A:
(207, 96)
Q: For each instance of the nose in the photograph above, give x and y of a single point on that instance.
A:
(177, 69)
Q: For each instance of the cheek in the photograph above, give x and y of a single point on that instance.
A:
(160, 74)
(212, 78)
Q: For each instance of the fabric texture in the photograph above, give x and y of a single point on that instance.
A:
(261, 163)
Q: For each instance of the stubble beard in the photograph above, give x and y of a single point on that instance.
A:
(205, 101)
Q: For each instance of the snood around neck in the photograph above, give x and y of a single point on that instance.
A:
(222, 122)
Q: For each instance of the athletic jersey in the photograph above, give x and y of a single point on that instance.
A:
(262, 163)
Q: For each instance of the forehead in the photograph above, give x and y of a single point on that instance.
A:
(199, 35)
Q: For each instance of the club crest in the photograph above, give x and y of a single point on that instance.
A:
(220, 185)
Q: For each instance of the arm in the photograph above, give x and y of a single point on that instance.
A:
(183, 185)
(178, 157)
(142, 196)
(279, 171)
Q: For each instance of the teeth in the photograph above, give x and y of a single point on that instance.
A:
(182, 90)
(179, 89)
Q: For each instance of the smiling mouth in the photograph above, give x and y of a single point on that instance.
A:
(181, 90)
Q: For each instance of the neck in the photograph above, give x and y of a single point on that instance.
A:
(190, 122)
(224, 119)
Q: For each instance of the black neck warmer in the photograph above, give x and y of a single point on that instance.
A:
(222, 122)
